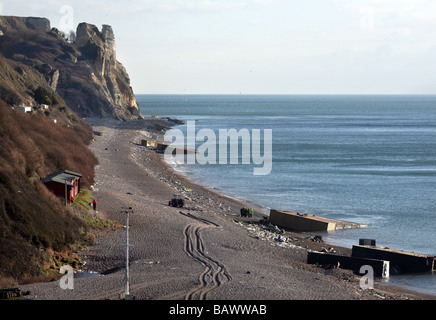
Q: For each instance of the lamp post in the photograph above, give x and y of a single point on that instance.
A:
(126, 295)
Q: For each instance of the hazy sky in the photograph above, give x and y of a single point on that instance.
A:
(262, 46)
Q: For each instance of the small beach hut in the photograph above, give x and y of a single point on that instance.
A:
(64, 184)
(25, 109)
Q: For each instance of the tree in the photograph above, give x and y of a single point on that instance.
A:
(71, 37)
(44, 96)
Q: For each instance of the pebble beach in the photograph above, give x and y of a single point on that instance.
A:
(203, 251)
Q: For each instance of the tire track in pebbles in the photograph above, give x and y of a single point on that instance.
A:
(215, 273)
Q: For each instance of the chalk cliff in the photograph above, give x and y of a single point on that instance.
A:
(83, 71)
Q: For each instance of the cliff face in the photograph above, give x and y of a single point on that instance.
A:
(85, 72)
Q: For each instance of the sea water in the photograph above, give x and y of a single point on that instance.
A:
(369, 159)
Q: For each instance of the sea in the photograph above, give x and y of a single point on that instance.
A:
(369, 159)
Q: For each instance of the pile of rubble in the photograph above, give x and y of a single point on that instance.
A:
(271, 233)
(277, 237)
(12, 293)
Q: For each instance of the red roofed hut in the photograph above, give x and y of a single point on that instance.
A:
(64, 184)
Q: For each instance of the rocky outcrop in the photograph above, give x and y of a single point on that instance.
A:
(98, 50)
(38, 24)
(8, 23)
(85, 73)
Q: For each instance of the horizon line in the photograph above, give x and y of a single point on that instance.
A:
(293, 94)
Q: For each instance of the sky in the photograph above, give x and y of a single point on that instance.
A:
(261, 46)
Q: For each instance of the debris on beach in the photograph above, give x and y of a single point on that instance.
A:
(274, 228)
(274, 235)
(11, 293)
(316, 238)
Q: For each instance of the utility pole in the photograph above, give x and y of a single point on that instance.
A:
(66, 201)
(127, 289)
(126, 295)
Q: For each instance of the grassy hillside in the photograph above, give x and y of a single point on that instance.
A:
(33, 222)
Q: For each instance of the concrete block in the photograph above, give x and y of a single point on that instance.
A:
(305, 222)
(367, 242)
(400, 261)
(380, 267)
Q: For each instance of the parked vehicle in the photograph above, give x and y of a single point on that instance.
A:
(177, 201)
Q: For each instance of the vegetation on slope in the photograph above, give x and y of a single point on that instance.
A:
(34, 224)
